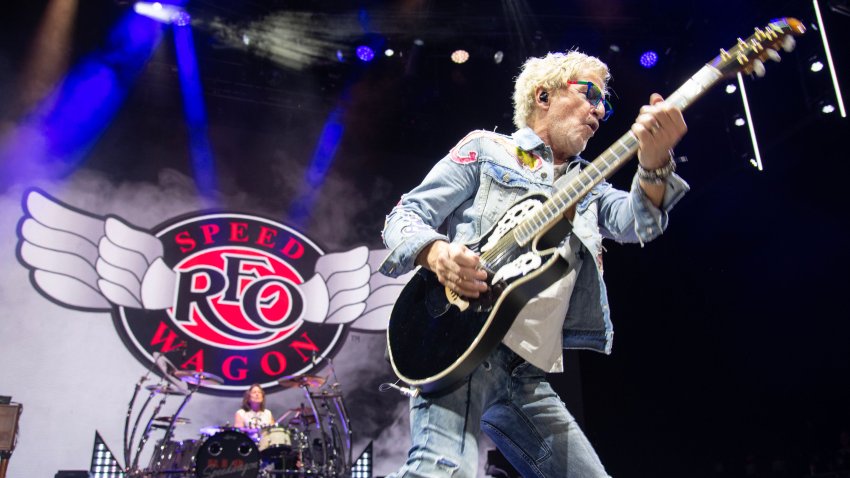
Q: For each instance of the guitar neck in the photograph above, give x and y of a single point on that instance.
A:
(607, 163)
(739, 58)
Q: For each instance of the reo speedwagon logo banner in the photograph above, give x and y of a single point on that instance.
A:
(238, 295)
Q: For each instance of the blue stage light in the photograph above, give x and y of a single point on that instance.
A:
(648, 59)
(365, 53)
(203, 163)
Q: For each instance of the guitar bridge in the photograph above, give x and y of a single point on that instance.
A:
(486, 301)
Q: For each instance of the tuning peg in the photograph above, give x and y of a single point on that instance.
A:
(788, 43)
(773, 55)
(758, 68)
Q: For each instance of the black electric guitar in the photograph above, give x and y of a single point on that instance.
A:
(436, 338)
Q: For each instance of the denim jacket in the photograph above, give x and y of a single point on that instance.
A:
(482, 176)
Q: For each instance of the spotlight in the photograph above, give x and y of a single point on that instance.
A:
(181, 19)
(827, 109)
(418, 42)
(246, 39)
(340, 56)
(460, 56)
(730, 88)
(648, 59)
(739, 121)
(614, 48)
(498, 57)
(816, 66)
(365, 53)
(171, 14)
(389, 52)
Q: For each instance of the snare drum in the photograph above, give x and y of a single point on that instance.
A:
(274, 439)
(228, 454)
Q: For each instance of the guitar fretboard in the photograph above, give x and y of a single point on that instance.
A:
(606, 163)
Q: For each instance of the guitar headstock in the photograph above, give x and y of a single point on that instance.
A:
(747, 56)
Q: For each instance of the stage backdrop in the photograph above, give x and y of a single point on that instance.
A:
(102, 278)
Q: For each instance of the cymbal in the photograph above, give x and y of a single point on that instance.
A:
(167, 419)
(302, 415)
(167, 389)
(196, 377)
(301, 381)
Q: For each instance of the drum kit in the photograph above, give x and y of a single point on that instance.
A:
(313, 440)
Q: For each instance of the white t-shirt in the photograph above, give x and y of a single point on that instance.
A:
(253, 419)
(536, 334)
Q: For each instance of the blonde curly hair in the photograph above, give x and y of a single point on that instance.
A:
(552, 72)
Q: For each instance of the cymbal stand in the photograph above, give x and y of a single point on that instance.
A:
(340, 443)
(319, 423)
(143, 440)
(344, 419)
(128, 439)
(170, 430)
(339, 404)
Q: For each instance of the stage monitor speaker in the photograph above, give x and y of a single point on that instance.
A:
(72, 474)
(9, 415)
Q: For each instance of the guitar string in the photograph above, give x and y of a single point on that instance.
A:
(532, 226)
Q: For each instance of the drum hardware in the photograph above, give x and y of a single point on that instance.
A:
(302, 381)
(336, 442)
(166, 389)
(313, 440)
(147, 431)
(175, 383)
(173, 458)
(164, 421)
(170, 385)
(177, 420)
(159, 362)
(195, 377)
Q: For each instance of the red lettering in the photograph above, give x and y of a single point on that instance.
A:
(306, 345)
(195, 362)
(266, 237)
(227, 370)
(185, 241)
(293, 249)
(209, 230)
(237, 231)
(160, 337)
(267, 367)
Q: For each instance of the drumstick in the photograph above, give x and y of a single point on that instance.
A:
(283, 416)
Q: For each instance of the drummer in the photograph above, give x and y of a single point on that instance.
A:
(253, 414)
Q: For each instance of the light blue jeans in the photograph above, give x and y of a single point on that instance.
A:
(514, 404)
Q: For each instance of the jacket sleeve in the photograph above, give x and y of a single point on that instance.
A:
(631, 216)
(413, 222)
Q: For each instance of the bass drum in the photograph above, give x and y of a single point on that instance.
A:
(228, 454)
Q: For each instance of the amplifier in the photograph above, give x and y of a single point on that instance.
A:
(9, 415)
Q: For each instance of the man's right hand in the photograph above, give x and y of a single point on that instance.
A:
(456, 267)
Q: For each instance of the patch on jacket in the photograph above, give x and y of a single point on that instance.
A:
(528, 160)
(467, 150)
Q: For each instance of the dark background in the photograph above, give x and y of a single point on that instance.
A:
(731, 348)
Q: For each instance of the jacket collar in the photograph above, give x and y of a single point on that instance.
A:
(527, 139)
